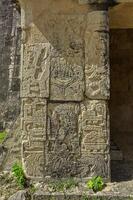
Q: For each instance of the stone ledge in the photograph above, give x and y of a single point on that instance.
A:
(58, 196)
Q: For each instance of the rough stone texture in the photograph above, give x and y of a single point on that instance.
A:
(3, 152)
(42, 196)
(64, 132)
(20, 195)
(67, 57)
(97, 55)
(13, 145)
(34, 135)
(10, 44)
(35, 73)
(63, 148)
(94, 128)
(10, 33)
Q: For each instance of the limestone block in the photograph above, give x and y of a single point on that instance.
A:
(34, 119)
(63, 146)
(20, 195)
(67, 57)
(33, 124)
(67, 79)
(97, 56)
(33, 35)
(33, 162)
(94, 127)
(94, 131)
(35, 70)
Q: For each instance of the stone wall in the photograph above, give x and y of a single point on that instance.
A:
(121, 103)
(65, 88)
(10, 33)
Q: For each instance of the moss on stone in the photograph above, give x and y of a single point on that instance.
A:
(3, 135)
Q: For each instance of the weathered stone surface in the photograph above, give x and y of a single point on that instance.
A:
(63, 147)
(66, 79)
(20, 195)
(97, 55)
(13, 145)
(34, 135)
(94, 164)
(3, 152)
(65, 63)
(10, 33)
(94, 128)
(35, 70)
(33, 162)
(67, 57)
(33, 35)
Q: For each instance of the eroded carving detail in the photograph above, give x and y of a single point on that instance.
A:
(97, 56)
(67, 58)
(33, 160)
(66, 79)
(94, 128)
(94, 165)
(63, 147)
(35, 72)
(34, 135)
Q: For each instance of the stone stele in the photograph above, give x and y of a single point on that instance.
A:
(65, 89)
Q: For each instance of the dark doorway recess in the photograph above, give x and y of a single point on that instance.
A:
(121, 103)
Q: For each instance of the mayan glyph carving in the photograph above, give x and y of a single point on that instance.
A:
(94, 129)
(94, 125)
(33, 135)
(35, 71)
(97, 56)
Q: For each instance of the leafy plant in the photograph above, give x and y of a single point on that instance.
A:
(18, 172)
(3, 135)
(96, 184)
(32, 189)
(84, 197)
(62, 185)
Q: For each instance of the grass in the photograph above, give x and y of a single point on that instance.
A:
(3, 135)
(18, 173)
(63, 185)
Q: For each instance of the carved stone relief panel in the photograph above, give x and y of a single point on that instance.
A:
(67, 57)
(67, 79)
(63, 148)
(94, 165)
(33, 161)
(94, 124)
(94, 131)
(65, 61)
(33, 135)
(35, 71)
(97, 56)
